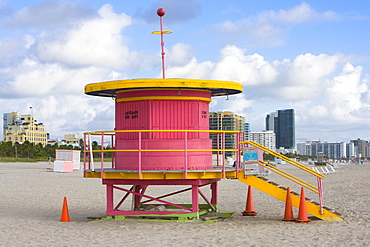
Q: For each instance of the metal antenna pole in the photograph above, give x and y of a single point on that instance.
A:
(161, 12)
(162, 44)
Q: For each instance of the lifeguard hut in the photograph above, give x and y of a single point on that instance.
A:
(67, 160)
(162, 137)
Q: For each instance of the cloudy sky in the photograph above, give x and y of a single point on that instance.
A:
(313, 56)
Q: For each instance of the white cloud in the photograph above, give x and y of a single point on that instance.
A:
(343, 96)
(9, 48)
(304, 78)
(178, 11)
(49, 71)
(234, 65)
(179, 54)
(236, 103)
(191, 70)
(50, 14)
(32, 78)
(324, 91)
(299, 14)
(247, 69)
(47, 68)
(65, 114)
(95, 42)
(269, 28)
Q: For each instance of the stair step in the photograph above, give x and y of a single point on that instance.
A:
(332, 211)
(263, 178)
(297, 194)
(313, 207)
(281, 187)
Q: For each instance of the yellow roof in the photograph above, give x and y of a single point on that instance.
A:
(109, 88)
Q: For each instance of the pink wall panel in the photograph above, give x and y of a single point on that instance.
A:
(133, 115)
(147, 113)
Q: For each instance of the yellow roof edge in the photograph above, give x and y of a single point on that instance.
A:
(113, 86)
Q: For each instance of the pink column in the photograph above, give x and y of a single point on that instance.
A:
(214, 188)
(109, 198)
(195, 198)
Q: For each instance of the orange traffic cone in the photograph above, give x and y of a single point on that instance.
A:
(249, 208)
(65, 214)
(288, 215)
(302, 212)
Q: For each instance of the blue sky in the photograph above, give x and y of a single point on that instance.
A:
(312, 56)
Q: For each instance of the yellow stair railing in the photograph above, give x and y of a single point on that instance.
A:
(289, 176)
(279, 192)
(319, 176)
(286, 159)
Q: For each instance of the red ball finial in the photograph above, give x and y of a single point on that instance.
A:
(161, 12)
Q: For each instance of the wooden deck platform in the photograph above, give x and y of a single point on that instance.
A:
(215, 173)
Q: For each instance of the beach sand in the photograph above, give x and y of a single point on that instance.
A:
(32, 198)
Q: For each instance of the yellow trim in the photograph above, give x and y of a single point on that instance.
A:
(163, 98)
(280, 156)
(160, 32)
(163, 88)
(162, 83)
(289, 176)
(150, 175)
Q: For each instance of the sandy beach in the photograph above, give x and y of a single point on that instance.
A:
(32, 198)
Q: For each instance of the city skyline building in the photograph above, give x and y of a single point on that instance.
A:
(350, 150)
(339, 150)
(282, 123)
(270, 121)
(265, 138)
(361, 148)
(226, 121)
(247, 131)
(72, 139)
(21, 128)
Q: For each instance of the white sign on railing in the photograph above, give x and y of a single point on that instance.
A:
(250, 156)
(251, 168)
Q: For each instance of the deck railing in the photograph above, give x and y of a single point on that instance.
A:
(220, 142)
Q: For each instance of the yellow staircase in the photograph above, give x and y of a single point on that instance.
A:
(279, 192)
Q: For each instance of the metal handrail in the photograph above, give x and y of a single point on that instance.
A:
(161, 150)
(319, 176)
(289, 176)
(112, 133)
(292, 162)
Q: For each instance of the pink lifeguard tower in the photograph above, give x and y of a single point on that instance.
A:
(162, 137)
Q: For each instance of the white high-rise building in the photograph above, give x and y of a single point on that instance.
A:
(350, 151)
(247, 131)
(302, 148)
(265, 138)
(329, 150)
